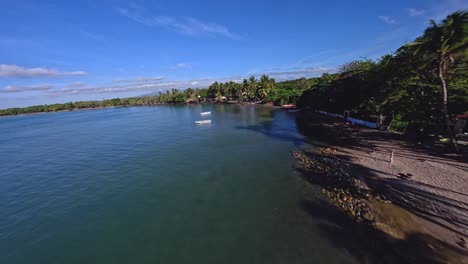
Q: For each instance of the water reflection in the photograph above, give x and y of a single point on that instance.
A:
(275, 123)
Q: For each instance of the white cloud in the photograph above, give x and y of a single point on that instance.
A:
(110, 88)
(137, 87)
(76, 84)
(157, 85)
(182, 66)
(413, 12)
(24, 88)
(387, 19)
(8, 70)
(186, 26)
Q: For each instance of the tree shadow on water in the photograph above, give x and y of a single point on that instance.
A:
(284, 134)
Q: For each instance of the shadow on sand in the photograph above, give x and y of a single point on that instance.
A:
(412, 196)
(365, 242)
(370, 244)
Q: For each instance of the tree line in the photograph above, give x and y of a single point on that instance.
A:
(261, 90)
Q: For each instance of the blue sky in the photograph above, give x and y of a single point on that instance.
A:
(61, 51)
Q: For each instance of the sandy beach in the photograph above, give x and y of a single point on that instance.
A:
(427, 183)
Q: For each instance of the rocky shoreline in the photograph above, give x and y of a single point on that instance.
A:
(388, 228)
(344, 191)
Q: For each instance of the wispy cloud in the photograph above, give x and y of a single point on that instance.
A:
(307, 72)
(314, 60)
(445, 7)
(153, 84)
(182, 66)
(140, 79)
(413, 12)
(7, 70)
(187, 26)
(76, 84)
(24, 88)
(387, 19)
(105, 89)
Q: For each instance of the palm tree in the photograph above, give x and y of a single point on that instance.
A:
(265, 87)
(213, 90)
(224, 89)
(232, 90)
(439, 46)
(243, 91)
(251, 88)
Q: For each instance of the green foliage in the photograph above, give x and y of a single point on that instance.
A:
(289, 91)
(406, 84)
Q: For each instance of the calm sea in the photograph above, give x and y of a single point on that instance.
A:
(146, 185)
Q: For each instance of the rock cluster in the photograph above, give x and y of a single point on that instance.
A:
(321, 167)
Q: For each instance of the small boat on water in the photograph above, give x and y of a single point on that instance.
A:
(288, 106)
(294, 110)
(205, 113)
(203, 122)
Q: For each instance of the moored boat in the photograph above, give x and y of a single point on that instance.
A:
(288, 106)
(203, 122)
(205, 113)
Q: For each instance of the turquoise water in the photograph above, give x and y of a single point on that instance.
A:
(146, 185)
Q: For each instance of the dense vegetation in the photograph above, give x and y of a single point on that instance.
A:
(422, 83)
(414, 84)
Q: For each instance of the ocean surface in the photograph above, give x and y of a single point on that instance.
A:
(147, 185)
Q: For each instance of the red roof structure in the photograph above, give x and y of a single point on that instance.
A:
(462, 116)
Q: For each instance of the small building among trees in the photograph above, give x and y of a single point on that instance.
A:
(461, 125)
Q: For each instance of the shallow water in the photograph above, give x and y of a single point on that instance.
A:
(146, 185)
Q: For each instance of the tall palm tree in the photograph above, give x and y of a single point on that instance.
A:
(243, 90)
(232, 89)
(213, 90)
(265, 86)
(439, 46)
(252, 88)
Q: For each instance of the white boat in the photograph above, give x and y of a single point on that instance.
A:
(294, 110)
(205, 113)
(203, 122)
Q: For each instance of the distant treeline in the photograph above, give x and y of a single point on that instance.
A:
(263, 90)
(407, 85)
